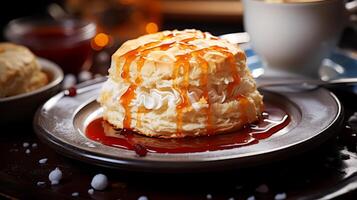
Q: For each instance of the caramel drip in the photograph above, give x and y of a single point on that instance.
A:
(236, 81)
(126, 67)
(129, 94)
(139, 79)
(243, 108)
(204, 82)
(182, 62)
(140, 53)
(140, 64)
(125, 100)
(141, 111)
(130, 57)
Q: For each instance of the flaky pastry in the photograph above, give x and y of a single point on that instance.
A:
(175, 84)
(19, 70)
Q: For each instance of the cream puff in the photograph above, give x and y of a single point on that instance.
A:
(19, 70)
(174, 84)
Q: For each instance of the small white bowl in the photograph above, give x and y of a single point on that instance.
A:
(22, 107)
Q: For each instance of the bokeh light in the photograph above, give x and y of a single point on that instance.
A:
(100, 41)
(151, 27)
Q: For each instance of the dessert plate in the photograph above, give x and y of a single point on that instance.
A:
(61, 123)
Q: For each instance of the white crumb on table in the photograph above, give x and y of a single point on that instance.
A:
(251, 198)
(262, 188)
(25, 144)
(34, 145)
(280, 196)
(28, 151)
(43, 161)
(143, 198)
(55, 176)
(40, 183)
(208, 196)
(99, 182)
(91, 191)
(75, 194)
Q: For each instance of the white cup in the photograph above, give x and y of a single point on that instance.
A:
(295, 37)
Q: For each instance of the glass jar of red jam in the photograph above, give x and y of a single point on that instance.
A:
(64, 41)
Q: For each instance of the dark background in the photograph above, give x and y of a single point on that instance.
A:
(20, 8)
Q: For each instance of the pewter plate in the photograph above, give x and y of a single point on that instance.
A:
(61, 123)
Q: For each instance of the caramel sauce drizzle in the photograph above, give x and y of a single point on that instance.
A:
(182, 62)
(125, 100)
(130, 57)
(244, 103)
(140, 112)
(204, 82)
(141, 52)
(139, 79)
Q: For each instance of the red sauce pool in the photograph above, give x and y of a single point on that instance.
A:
(274, 119)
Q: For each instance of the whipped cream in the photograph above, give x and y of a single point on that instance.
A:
(155, 99)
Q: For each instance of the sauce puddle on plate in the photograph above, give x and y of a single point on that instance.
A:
(274, 119)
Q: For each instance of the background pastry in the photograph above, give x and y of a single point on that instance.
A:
(180, 83)
(19, 70)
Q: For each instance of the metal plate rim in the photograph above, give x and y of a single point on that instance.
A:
(138, 164)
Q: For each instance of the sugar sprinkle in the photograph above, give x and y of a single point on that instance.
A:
(41, 183)
(262, 188)
(99, 182)
(251, 198)
(43, 161)
(55, 176)
(143, 198)
(75, 194)
(91, 191)
(280, 196)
